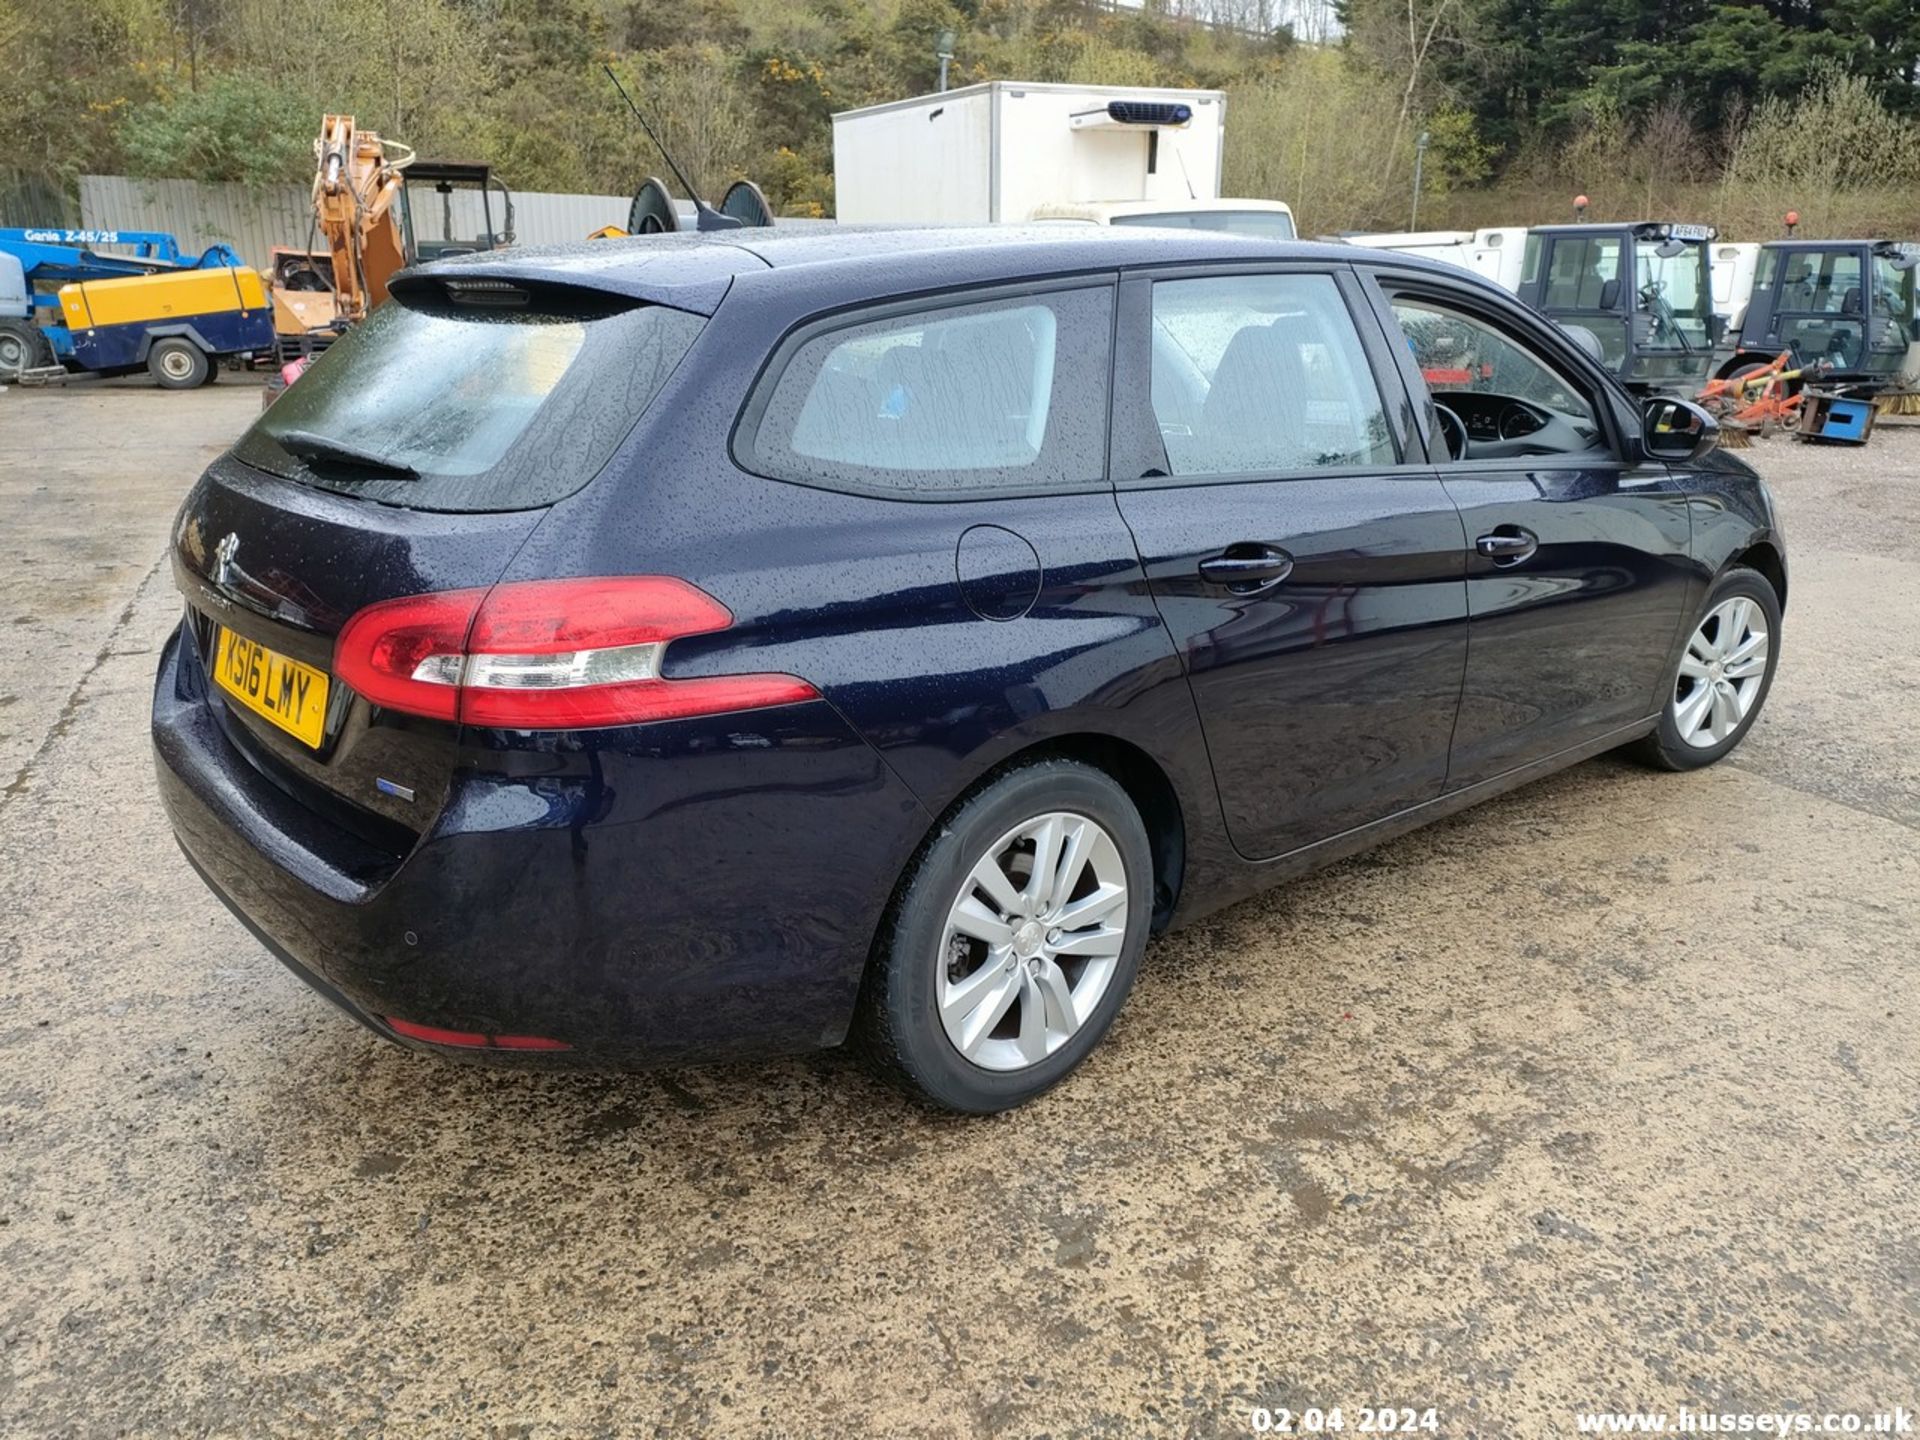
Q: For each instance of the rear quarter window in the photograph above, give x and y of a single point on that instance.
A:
(1004, 394)
(472, 407)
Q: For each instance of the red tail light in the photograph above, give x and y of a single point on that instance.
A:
(547, 655)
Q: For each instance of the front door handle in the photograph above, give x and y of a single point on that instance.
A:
(1247, 568)
(1508, 544)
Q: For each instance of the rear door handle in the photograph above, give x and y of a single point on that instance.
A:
(1508, 544)
(1247, 568)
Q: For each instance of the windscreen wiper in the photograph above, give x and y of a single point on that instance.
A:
(306, 445)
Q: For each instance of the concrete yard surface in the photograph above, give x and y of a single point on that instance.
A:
(1602, 1096)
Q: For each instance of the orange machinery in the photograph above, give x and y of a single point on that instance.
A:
(355, 190)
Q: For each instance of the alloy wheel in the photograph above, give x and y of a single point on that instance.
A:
(1721, 673)
(1032, 941)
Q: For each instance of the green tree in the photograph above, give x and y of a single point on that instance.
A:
(234, 127)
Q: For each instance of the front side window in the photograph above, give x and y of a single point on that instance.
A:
(1262, 374)
(996, 394)
(1497, 398)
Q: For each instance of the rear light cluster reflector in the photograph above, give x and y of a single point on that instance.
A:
(472, 1039)
(547, 655)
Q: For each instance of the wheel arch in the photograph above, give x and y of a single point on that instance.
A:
(1144, 779)
(189, 333)
(1765, 557)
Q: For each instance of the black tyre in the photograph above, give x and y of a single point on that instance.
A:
(22, 347)
(177, 364)
(1721, 681)
(1013, 940)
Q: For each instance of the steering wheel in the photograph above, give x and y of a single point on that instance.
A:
(1453, 430)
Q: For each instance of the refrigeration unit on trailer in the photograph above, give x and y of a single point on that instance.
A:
(1004, 150)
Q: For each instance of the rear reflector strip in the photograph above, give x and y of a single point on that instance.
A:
(472, 1039)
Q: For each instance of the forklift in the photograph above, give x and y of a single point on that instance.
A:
(1643, 290)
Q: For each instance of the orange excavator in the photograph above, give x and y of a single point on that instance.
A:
(365, 194)
(356, 187)
(358, 204)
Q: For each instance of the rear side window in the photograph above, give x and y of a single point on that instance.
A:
(439, 406)
(1004, 394)
(1262, 374)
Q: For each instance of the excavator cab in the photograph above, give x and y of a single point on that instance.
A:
(452, 209)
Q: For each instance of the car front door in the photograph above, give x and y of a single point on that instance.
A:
(1577, 555)
(1313, 583)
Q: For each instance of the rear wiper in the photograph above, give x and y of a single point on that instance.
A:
(306, 445)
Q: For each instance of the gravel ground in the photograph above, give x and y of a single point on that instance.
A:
(1603, 1095)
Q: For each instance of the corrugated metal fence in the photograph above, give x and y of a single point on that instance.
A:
(254, 221)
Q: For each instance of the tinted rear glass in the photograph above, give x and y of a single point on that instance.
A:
(467, 408)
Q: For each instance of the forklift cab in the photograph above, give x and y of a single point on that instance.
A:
(1645, 291)
(453, 210)
(1849, 303)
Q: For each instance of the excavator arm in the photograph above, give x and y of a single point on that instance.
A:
(355, 186)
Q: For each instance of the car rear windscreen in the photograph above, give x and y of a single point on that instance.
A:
(508, 404)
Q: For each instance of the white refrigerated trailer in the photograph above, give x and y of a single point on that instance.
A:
(1003, 150)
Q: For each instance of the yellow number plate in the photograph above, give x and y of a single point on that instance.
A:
(285, 692)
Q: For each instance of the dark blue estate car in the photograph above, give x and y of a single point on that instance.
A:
(706, 646)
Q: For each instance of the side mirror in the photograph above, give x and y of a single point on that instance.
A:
(1673, 429)
(1716, 328)
(1850, 302)
(1586, 342)
(1610, 295)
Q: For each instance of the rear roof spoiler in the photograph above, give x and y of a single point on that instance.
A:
(691, 274)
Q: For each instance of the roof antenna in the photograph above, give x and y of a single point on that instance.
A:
(705, 216)
(1183, 173)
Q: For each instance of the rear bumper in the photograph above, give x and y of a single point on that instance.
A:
(688, 891)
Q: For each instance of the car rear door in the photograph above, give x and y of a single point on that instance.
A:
(1313, 583)
(1577, 563)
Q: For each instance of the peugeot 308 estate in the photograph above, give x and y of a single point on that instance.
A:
(730, 645)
